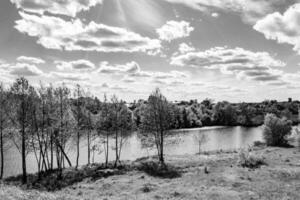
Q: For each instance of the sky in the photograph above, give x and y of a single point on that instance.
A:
(234, 50)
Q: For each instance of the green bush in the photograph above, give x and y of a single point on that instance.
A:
(276, 130)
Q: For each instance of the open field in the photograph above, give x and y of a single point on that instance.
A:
(279, 179)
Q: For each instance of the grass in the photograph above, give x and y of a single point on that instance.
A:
(280, 179)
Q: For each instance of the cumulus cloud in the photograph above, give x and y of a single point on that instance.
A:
(238, 61)
(80, 65)
(215, 15)
(132, 70)
(69, 76)
(128, 68)
(174, 29)
(250, 10)
(184, 48)
(62, 7)
(33, 60)
(24, 69)
(55, 33)
(285, 28)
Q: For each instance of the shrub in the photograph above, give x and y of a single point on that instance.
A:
(249, 160)
(159, 170)
(276, 130)
(258, 144)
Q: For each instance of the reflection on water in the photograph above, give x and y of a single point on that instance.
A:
(181, 142)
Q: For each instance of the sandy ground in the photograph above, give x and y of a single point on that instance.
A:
(279, 179)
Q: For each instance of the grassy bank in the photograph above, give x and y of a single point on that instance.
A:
(211, 176)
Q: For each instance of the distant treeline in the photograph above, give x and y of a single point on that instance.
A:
(191, 114)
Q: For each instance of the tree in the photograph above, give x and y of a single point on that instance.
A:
(4, 123)
(104, 127)
(64, 124)
(79, 115)
(157, 119)
(276, 130)
(21, 91)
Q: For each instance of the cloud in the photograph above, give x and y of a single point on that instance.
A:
(285, 28)
(128, 68)
(56, 33)
(80, 65)
(257, 66)
(184, 48)
(215, 15)
(24, 69)
(62, 7)
(250, 10)
(133, 70)
(69, 76)
(26, 59)
(174, 29)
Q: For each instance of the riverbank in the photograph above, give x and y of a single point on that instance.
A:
(212, 176)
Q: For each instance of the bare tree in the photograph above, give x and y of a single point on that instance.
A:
(157, 120)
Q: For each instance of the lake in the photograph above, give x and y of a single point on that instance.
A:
(182, 142)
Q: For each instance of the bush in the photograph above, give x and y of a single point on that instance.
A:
(258, 144)
(159, 170)
(276, 130)
(249, 160)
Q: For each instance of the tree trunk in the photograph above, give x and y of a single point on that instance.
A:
(2, 154)
(89, 147)
(116, 161)
(24, 179)
(106, 159)
(78, 140)
(161, 159)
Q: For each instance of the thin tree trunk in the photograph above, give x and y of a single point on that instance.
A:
(89, 147)
(162, 147)
(78, 140)
(2, 153)
(107, 139)
(116, 149)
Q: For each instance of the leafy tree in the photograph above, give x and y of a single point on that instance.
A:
(276, 130)
(21, 96)
(157, 119)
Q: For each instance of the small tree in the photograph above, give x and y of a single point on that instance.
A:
(276, 130)
(157, 120)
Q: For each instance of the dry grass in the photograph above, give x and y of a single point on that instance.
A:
(280, 179)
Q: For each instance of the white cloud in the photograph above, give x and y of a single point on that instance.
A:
(174, 29)
(133, 70)
(257, 66)
(184, 48)
(33, 60)
(215, 15)
(56, 33)
(69, 76)
(63, 7)
(80, 65)
(250, 10)
(128, 68)
(24, 69)
(285, 28)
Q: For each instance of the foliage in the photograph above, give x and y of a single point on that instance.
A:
(157, 119)
(159, 170)
(249, 160)
(276, 130)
